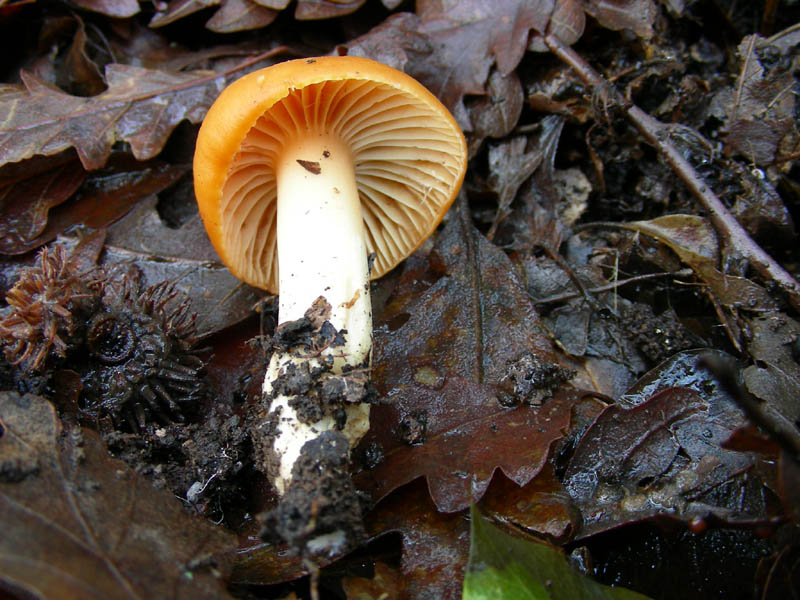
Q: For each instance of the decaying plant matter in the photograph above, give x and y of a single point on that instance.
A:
(141, 341)
(131, 346)
(47, 311)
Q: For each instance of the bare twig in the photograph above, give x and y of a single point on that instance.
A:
(657, 134)
(576, 281)
(762, 413)
(614, 285)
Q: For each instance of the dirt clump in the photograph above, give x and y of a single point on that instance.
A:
(321, 512)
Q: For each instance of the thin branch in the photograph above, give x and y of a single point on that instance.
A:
(657, 134)
(614, 285)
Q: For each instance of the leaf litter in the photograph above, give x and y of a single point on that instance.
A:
(527, 312)
(80, 524)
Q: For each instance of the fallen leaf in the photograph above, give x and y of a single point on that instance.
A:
(240, 15)
(758, 109)
(178, 9)
(607, 359)
(535, 222)
(183, 255)
(694, 241)
(265, 564)
(566, 23)
(636, 15)
(459, 38)
(496, 114)
(457, 469)
(119, 9)
(79, 524)
(386, 582)
(506, 566)
(500, 30)
(80, 74)
(442, 355)
(325, 9)
(434, 545)
(509, 166)
(25, 203)
(541, 507)
(762, 211)
(141, 106)
(104, 197)
(663, 455)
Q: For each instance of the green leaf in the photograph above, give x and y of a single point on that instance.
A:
(502, 567)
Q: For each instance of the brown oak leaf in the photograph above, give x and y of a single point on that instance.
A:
(79, 524)
(140, 106)
(442, 358)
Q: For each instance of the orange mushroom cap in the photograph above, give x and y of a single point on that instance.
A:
(409, 154)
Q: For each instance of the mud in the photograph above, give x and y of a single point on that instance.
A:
(531, 380)
(263, 428)
(657, 336)
(321, 512)
(413, 428)
(200, 463)
(313, 389)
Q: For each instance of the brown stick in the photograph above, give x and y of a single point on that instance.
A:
(657, 135)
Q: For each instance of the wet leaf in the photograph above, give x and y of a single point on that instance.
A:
(774, 379)
(500, 30)
(178, 9)
(80, 74)
(761, 210)
(664, 455)
(325, 9)
(504, 566)
(758, 110)
(694, 241)
(387, 582)
(470, 36)
(567, 23)
(457, 469)
(104, 197)
(111, 8)
(240, 15)
(25, 203)
(607, 357)
(442, 358)
(265, 564)
(78, 524)
(509, 166)
(460, 38)
(434, 545)
(692, 238)
(495, 114)
(185, 255)
(542, 506)
(140, 106)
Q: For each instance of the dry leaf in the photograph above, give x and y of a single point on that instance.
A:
(79, 524)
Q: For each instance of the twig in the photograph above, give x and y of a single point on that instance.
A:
(656, 133)
(576, 281)
(761, 412)
(612, 286)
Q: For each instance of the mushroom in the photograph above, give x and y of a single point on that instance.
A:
(313, 176)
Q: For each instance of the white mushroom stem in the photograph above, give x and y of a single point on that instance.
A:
(321, 252)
